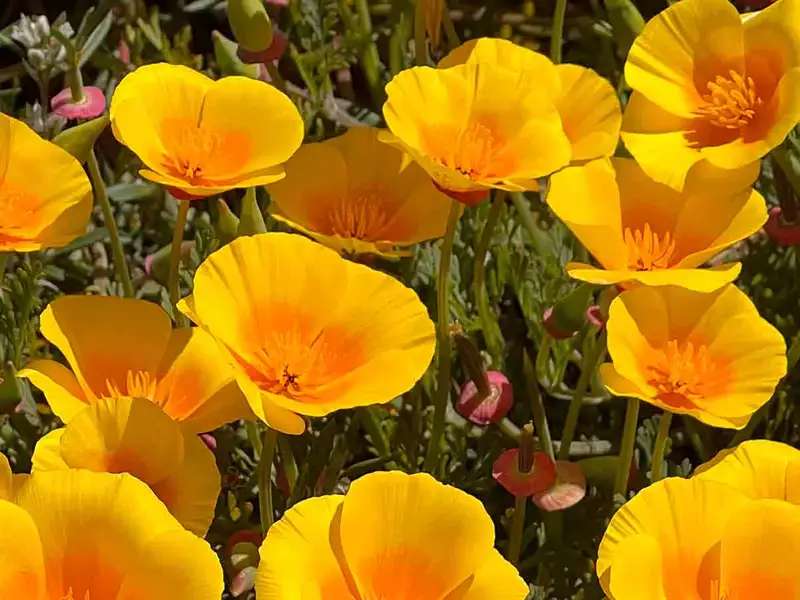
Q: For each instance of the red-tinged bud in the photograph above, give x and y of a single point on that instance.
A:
(595, 316)
(485, 409)
(242, 536)
(92, 105)
(468, 198)
(209, 440)
(243, 581)
(567, 316)
(568, 489)
(518, 483)
(780, 232)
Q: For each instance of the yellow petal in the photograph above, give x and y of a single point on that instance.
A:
(105, 338)
(301, 558)
(37, 211)
(6, 479)
(22, 573)
(590, 112)
(109, 535)
(760, 552)
(772, 39)
(699, 280)
(689, 42)
(757, 468)
(587, 199)
(282, 336)
(124, 435)
(668, 513)
(190, 492)
(47, 452)
(497, 579)
(434, 536)
(196, 386)
(58, 384)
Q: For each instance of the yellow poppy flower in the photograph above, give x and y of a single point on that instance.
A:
(760, 469)
(308, 332)
(201, 137)
(393, 536)
(372, 199)
(77, 535)
(586, 103)
(700, 539)
(707, 355)
(45, 195)
(123, 347)
(478, 126)
(712, 89)
(132, 435)
(644, 232)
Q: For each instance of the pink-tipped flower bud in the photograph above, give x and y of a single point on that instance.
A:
(594, 315)
(568, 315)
(485, 409)
(541, 477)
(780, 232)
(93, 103)
(569, 488)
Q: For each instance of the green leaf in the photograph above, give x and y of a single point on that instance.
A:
(132, 192)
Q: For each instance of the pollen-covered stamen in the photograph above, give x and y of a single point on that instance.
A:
(191, 149)
(474, 152)
(647, 250)
(138, 384)
(362, 215)
(17, 209)
(732, 102)
(71, 596)
(683, 373)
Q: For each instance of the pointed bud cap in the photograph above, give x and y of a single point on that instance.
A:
(506, 471)
(93, 103)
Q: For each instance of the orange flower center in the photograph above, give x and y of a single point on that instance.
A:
(647, 250)
(473, 152)
(362, 215)
(70, 596)
(138, 384)
(732, 101)
(200, 154)
(684, 373)
(297, 359)
(18, 212)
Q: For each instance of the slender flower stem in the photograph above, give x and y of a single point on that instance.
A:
(537, 408)
(420, 39)
(557, 33)
(173, 283)
(449, 29)
(442, 396)
(517, 529)
(4, 256)
(542, 358)
(626, 446)
(370, 59)
(101, 198)
(659, 451)
(575, 404)
(265, 507)
(488, 322)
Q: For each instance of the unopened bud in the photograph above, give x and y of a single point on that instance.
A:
(250, 24)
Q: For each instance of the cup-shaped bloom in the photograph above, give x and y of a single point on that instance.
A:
(306, 331)
(641, 231)
(393, 536)
(700, 539)
(760, 469)
(45, 195)
(372, 199)
(132, 435)
(712, 89)
(586, 103)
(200, 137)
(707, 355)
(477, 126)
(123, 347)
(77, 534)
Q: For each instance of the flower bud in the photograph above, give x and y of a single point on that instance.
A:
(489, 408)
(779, 231)
(79, 140)
(567, 316)
(568, 489)
(523, 472)
(250, 24)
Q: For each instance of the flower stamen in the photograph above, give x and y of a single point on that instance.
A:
(361, 215)
(732, 102)
(684, 373)
(647, 250)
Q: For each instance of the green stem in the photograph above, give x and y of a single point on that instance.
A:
(375, 431)
(101, 197)
(420, 40)
(489, 325)
(4, 256)
(75, 81)
(517, 529)
(542, 359)
(659, 451)
(450, 31)
(576, 403)
(537, 407)
(539, 238)
(275, 76)
(254, 437)
(173, 283)
(626, 447)
(557, 33)
(265, 507)
(370, 59)
(442, 395)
